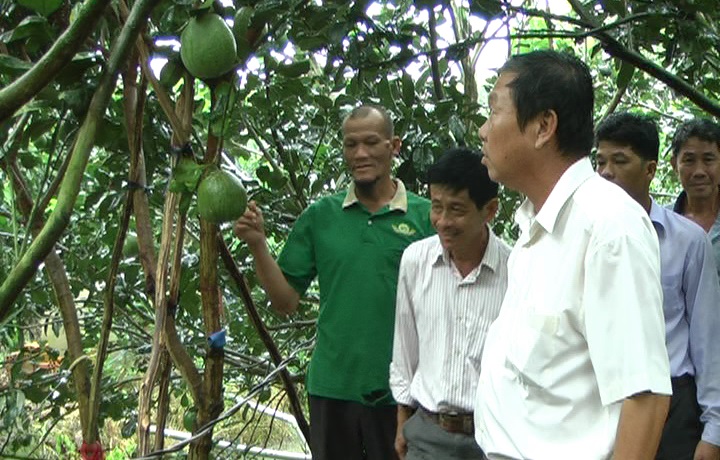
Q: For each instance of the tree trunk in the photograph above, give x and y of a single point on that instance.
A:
(212, 405)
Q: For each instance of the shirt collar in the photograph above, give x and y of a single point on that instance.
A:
(658, 217)
(398, 201)
(571, 179)
(491, 258)
(679, 205)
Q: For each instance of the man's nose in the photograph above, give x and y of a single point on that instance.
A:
(442, 220)
(699, 170)
(607, 173)
(482, 131)
(361, 150)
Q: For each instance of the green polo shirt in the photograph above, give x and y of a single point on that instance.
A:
(355, 255)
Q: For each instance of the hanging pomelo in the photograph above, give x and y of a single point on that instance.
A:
(207, 47)
(221, 197)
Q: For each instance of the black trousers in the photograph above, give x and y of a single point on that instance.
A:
(683, 429)
(347, 430)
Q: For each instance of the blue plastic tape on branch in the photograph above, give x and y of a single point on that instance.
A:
(217, 339)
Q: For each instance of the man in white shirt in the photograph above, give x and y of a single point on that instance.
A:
(575, 366)
(450, 289)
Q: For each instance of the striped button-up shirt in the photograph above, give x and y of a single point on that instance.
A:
(440, 324)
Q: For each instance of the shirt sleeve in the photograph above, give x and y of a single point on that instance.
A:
(405, 341)
(702, 297)
(623, 314)
(297, 259)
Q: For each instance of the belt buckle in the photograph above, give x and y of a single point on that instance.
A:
(449, 421)
(456, 423)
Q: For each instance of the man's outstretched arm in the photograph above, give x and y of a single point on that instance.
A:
(250, 227)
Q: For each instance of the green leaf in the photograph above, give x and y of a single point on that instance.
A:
(267, 9)
(77, 68)
(43, 7)
(225, 98)
(310, 42)
(295, 69)
(185, 202)
(408, 89)
(277, 180)
(486, 9)
(323, 101)
(625, 74)
(186, 176)
(406, 172)
(443, 110)
(32, 26)
(12, 65)
(129, 427)
(457, 129)
(615, 7)
(264, 174)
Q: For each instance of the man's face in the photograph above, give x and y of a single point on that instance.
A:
(505, 146)
(457, 220)
(620, 164)
(697, 164)
(367, 149)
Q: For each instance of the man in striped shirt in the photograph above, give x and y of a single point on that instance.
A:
(450, 289)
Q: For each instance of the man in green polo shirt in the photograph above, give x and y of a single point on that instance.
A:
(352, 242)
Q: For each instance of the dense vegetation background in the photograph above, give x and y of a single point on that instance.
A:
(111, 284)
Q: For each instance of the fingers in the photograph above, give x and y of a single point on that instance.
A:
(254, 209)
(250, 224)
(400, 447)
(252, 213)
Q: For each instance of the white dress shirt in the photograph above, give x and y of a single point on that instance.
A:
(440, 324)
(581, 327)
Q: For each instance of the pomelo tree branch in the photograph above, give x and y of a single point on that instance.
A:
(20, 91)
(27, 266)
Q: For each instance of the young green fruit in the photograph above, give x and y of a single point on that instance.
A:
(221, 197)
(189, 418)
(207, 47)
(130, 246)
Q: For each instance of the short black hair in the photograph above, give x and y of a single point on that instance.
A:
(703, 128)
(366, 109)
(550, 80)
(462, 169)
(636, 131)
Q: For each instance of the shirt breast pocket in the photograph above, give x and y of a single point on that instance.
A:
(530, 355)
(673, 297)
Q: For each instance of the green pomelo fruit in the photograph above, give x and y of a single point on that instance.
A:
(242, 20)
(241, 24)
(130, 246)
(171, 72)
(189, 419)
(221, 197)
(207, 47)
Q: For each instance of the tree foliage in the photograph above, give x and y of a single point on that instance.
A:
(275, 122)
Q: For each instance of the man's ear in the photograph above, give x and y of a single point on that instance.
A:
(395, 144)
(673, 163)
(492, 208)
(546, 128)
(650, 169)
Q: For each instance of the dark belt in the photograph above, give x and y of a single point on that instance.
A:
(452, 422)
(683, 380)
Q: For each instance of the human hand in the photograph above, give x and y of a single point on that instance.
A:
(250, 227)
(400, 444)
(707, 451)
